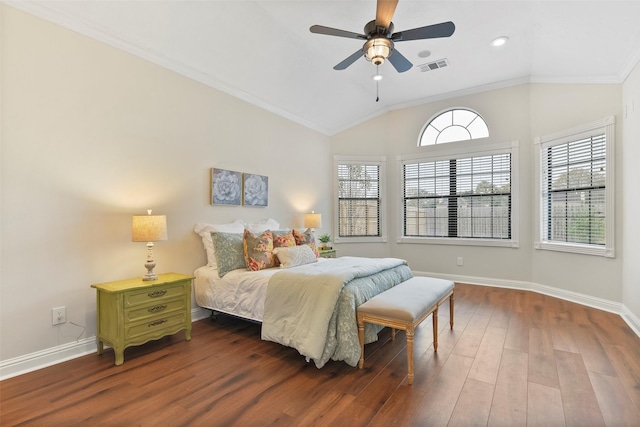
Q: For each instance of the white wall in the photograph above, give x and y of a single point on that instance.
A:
(554, 108)
(91, 136)
(515, 113)
(631, 195)
(506, 112)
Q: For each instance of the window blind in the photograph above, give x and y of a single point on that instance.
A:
(458, 198)
(574, 191)
(358, 200)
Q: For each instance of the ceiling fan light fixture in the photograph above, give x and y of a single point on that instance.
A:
(377, 50)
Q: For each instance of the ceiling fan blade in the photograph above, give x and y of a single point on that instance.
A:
(384, 12)
(319, 29)
(399, 62)
(350, 60)
(444, 29)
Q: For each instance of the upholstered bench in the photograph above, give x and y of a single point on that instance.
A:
(404, 307)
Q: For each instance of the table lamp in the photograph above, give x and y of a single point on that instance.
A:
(313, 220)
(149, 228)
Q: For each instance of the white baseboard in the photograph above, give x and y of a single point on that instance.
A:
(199, 313)
(47, 357)
(589, 301)
(632, 320)
(61, 353)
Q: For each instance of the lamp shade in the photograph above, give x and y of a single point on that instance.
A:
(313, 220)
(149, 228)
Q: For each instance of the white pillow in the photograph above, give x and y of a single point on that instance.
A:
(204, 230)
(294, 256)
(261, 226)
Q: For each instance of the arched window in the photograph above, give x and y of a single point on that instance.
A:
(457, 124)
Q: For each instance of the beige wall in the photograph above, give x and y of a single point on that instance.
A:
(91, 136)
(631, 196)
(516, 113)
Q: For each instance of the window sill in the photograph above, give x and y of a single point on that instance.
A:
(382, 239)
(576, 249)
(459, 242)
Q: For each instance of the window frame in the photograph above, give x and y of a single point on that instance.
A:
(606, 126)
(457, 150)
(436, 116)
(380, 161)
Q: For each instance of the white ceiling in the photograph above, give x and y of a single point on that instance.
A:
(262, 51)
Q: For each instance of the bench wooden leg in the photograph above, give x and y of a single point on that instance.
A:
(435, 329)
(393, 334)
(410, 352)
(451, 310)
(361, 337)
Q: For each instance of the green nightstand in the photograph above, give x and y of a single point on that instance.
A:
(134, 311)
(327, 253)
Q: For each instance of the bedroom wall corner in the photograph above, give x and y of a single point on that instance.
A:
(630, 196)
(519, 113)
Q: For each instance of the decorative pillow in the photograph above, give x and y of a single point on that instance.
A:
(204, 230)
(229, 251)
(294, 256)
(258, 250)
(306, 238)
(282, 239)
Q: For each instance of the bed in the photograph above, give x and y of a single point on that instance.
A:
(310, 307)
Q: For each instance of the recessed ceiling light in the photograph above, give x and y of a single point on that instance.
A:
(424, 54)
(500, 41)
(377, 77)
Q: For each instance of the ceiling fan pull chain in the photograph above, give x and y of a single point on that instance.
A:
(377, 84)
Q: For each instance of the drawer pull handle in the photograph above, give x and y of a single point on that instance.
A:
(157, 308)
(157, 322)
(156, 294)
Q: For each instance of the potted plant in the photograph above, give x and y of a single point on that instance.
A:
(324, 238)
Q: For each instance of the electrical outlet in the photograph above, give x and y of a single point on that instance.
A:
(460, 261)
(58, 315)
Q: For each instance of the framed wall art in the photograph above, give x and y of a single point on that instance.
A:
(256, 190)
(226, 187)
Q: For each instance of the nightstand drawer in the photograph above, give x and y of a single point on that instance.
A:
(154, 327)
(154, 309)
(157, 294)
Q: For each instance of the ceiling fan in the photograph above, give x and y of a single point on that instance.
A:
(380, 38)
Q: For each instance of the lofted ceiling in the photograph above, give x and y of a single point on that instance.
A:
(263, 52)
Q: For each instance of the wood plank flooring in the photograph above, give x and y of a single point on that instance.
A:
(514, 358)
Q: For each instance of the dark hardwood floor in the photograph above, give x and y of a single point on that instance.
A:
(514, 358)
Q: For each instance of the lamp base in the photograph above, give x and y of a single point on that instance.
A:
(150, 264)
(150, 276)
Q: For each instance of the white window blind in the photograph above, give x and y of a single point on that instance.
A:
(467, 197)
(574, 194)
(359, 200)
(576, 189)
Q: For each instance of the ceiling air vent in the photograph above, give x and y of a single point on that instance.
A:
(440, 63)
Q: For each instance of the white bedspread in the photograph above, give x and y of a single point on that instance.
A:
(300, 302)
(240, 292)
